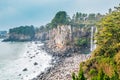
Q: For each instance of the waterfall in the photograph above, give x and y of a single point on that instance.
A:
(92, 42)
(95, 45)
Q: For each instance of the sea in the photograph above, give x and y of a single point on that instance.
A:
(22, 60)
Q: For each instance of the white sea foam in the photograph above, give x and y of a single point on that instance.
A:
(32, 54)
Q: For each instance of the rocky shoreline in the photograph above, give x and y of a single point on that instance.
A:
(63, 64)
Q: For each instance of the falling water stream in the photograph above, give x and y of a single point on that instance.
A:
(92, 42)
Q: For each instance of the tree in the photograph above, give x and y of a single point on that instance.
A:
(91, 16)
(110, 10)
(60, 18)
(108, 37)
(22, 30)
(117, 8)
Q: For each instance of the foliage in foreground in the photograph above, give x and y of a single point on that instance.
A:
(105, 61)
(80, 75)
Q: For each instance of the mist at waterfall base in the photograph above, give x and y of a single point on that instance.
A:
(17, 56)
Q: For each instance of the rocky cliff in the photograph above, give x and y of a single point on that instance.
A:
(65, 36)
(58, 37)
(19, 37)
(42, 36)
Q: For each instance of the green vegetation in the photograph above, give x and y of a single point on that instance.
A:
(85, 20)
(40, 29)
(22, 30)
(105, 61)
(25, 30)
(78, 20)
(92, 72)
(61, 18)
(81, 42)
(108, 37)
(80, 75)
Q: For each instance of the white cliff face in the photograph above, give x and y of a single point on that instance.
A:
(59, 36)
(20, 37)
(41, 36)
(62, 35)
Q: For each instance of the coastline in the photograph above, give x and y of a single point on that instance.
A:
(27, 61)
(63, 64)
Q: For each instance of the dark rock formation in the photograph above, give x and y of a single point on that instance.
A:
(35, 63)
(25, 69)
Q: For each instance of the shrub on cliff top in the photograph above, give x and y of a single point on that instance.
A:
(61, 18)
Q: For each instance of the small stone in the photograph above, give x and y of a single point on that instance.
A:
(35, 63)
(33, 56)
(19, 75)
(25, 69)
(37, 53)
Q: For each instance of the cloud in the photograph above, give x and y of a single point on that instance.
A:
(21, 12)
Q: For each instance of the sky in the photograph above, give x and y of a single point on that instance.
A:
(14, 13)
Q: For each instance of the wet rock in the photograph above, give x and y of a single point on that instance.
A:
(37, 53)
(25, 69)
(41, 76)
(31, 57)
(29, 60)
(19, 74)
(34, 79)
(35, 63)
(68, 76)
(35, 42)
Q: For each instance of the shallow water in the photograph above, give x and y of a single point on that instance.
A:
(16, 56)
